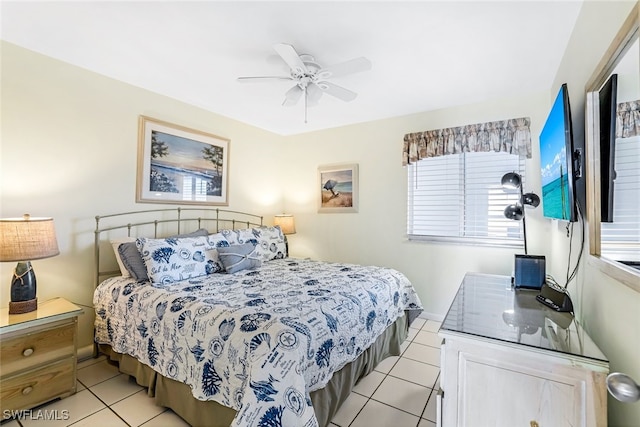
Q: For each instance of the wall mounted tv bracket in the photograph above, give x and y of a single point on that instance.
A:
(577, 163)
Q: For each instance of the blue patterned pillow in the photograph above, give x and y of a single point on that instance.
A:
(217, 240)
(269, 241)
(173, 259)
(239, 257)
(131, 259)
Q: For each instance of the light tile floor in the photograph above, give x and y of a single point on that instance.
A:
(399, 392)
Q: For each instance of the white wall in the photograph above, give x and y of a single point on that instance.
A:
(609, 310)
(377, 233)
(69, 151)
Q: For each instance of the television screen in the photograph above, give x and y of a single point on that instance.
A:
(556, 161)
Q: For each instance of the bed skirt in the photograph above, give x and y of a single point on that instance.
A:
(326, 401)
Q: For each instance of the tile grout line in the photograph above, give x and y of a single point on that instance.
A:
(94, 359)
(388, 374)
(427, 404)
(124, 397)
(99, 382)
(93, 413)
(433, 390)
(369, 398)
(120, 400)
(166, 409)
(391, 406)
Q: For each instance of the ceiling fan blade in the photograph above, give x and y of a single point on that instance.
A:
(355, 65)
(291, 57)
(292, 96)
(314, 93)
(254, 78)
(337, 91)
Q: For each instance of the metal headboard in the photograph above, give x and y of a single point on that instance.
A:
(212, 219)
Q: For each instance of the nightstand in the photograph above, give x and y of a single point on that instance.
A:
(38, 354)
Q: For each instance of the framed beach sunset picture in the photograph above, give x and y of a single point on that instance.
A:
(181, 165)
(338, 186)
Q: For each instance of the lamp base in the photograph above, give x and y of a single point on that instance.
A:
(23, 289)
(19, 307)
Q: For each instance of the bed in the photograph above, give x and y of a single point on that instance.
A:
(253, 338)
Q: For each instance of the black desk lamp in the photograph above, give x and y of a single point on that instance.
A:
(513, 180)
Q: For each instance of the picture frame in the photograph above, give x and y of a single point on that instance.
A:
(338, 188)
(178, 165)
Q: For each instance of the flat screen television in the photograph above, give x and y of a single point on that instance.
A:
(608, 105)
(557, 161)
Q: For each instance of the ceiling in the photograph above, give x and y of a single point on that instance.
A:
(426, 55)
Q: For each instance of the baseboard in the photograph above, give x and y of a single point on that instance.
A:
(431, 316)
(85, 352)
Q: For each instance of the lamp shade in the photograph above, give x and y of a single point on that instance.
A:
(531, 199)
(514, 212)
(511, 180)
(286, 222)
(27, 239)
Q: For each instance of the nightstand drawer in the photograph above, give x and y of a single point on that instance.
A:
(37, 348)
(38, 386)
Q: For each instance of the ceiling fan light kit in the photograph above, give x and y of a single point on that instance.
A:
(310, 78)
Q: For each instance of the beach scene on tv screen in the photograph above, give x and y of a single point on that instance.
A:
(556, 201)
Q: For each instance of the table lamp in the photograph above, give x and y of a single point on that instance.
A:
(286, 223)
(24, 240)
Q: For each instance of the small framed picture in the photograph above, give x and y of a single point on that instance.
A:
(338, 186)
(179, 165)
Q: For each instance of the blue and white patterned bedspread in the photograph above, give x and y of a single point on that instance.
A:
(258, 340)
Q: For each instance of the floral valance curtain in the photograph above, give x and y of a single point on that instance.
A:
(628, 119)
(512, 136)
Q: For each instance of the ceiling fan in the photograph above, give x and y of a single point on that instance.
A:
(311, 79)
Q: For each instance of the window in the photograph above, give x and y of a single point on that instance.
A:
(620, 239)
(459, 197)
(622, 58)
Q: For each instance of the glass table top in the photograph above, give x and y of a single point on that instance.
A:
(487, 306)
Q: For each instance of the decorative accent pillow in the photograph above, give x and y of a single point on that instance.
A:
(239, 237)
(217, 240)
(116, 243)
(174, 259)
(131, 259)
(269, 241)
(239, 257)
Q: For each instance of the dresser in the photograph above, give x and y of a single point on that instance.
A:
(507, 360)
(38, 354)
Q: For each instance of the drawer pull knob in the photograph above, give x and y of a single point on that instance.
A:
(27, 352)
(27, 390)
(534, 424)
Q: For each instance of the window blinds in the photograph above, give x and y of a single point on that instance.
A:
(459, 198)
(620, 239)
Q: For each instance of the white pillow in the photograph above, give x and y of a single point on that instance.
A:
(115, 243)
(269, 241)
(174, 259)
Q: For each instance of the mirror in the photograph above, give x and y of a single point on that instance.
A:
(613, 157)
